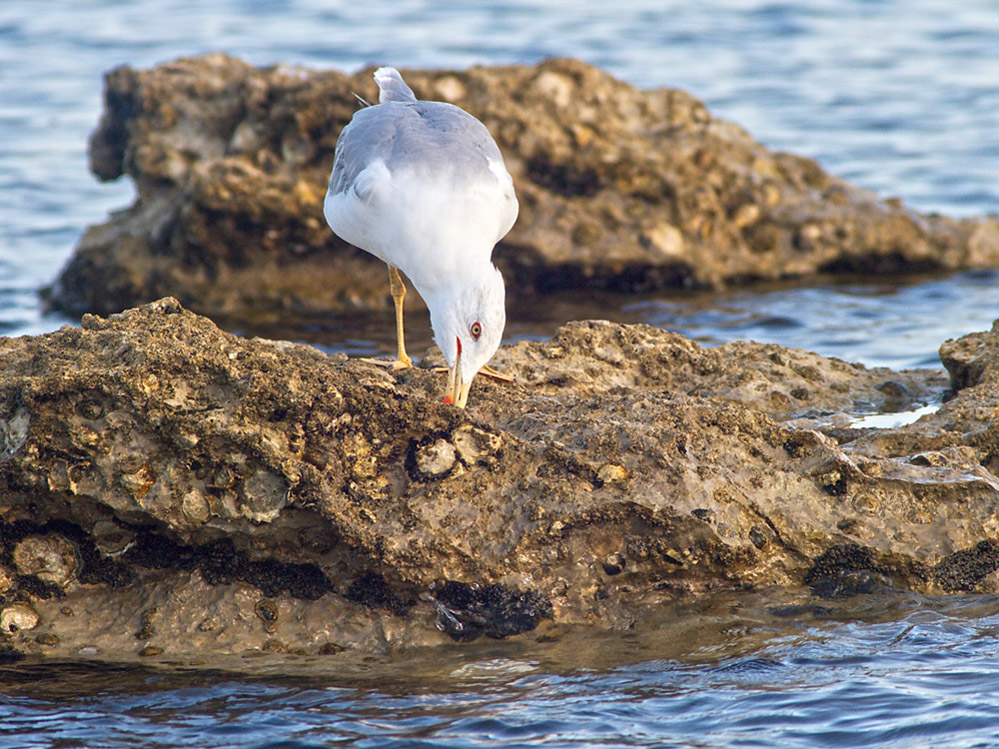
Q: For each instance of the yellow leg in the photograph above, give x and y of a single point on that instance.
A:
(398, 290)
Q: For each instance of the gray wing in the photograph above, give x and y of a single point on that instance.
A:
(422, 135)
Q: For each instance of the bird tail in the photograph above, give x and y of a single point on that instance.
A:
(391, 86)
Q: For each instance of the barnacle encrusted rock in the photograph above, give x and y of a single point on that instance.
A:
(216, 495)
(619, 189)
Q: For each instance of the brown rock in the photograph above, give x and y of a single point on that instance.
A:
(971, 357)
(619, 188)
(627, 468)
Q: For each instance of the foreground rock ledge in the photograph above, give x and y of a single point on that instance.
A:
(619, 189)
(169, 489)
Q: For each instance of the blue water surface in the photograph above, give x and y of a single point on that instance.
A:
(924, 678)
(899, 96)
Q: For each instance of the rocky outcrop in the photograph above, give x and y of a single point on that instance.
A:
(169, 489)
(619, 188)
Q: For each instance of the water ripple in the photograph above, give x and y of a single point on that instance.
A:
(925, 678)
(900, 97)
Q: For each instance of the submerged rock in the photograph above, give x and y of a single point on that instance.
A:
(174, 490)
(619, 189)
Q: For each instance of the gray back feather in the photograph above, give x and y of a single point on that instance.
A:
(424, 135)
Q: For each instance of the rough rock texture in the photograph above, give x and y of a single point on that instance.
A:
(168, 489)
(619, 188)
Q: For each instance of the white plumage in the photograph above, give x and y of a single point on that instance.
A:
(422, 185)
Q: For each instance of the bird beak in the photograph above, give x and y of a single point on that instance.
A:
(457, 391)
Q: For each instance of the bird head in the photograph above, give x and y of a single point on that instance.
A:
(468, 320)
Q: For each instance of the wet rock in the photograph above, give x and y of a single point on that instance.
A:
(848, 582)
(619, 189)
(627, 468)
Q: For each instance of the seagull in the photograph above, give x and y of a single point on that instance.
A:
(422, 186)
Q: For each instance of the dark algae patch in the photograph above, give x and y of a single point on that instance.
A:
(849, 569)
(220, 563)
(964, 570)
(371, 589)
(467, 611)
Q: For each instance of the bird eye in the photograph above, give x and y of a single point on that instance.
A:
(476, 330)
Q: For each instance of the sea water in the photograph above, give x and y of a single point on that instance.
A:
(900, 96)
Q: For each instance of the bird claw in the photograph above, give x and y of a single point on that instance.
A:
(501, 376)
(393, 365)
(397, 365)
(486, 371)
